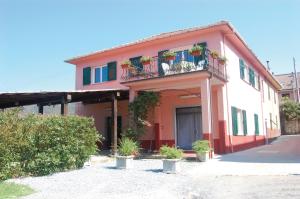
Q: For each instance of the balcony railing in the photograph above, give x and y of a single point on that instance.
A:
(184, 63)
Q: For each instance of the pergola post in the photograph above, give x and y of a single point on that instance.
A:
(41, 109)
(115, 123)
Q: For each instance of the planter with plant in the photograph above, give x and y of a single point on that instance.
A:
(202, 149)
(169, 55)
(172, 159)
(126, 64)
(222, 60)
(127, 150)
(196, 50)
(214, 54)
(146, 60)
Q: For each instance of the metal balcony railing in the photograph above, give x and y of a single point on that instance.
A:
(183, 63)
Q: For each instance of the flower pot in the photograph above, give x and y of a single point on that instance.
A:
(146, 63)
(171, 165)
(203, 156)
(125, 66)
(124, 162)
(169, 58)
(221, 62)
(214, 56)
(196, 53)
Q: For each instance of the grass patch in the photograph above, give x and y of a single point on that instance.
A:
(12, 190)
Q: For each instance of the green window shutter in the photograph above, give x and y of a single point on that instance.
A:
(244, 122)
(251, 77)
(256, 124)
(86, 76)
(112, 71)
(234, 120)
(242, 69)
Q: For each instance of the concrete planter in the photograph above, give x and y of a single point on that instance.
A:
(171, 165)
(203, 156)
(124, 162)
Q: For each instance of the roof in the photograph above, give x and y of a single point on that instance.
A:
(287, 80)
(8, 100)
(220, 24)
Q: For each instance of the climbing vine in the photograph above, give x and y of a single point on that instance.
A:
(139, 109)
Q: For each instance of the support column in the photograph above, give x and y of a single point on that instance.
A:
(64, 109)
(115, 123)
(132, 94)
(157, 122)
(41, 109)
(206, 110)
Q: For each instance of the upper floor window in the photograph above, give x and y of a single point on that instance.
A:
(99, 74)
(242, 69)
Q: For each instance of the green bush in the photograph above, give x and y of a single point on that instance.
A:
(41, 145)
(128, 147)
(170, 152)
(201, 146)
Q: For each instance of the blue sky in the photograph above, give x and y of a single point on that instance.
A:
(37, 36)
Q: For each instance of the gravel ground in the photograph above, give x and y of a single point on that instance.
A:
(146, 180)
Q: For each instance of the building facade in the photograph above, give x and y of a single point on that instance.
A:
(233, 105)
(289, 86)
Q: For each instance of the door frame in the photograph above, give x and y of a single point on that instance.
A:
(175, 118)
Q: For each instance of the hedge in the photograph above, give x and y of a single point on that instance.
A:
(40, 145)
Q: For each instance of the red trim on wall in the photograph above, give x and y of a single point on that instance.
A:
(224, 142)
(217, 146)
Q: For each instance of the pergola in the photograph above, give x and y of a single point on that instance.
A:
(43, 98)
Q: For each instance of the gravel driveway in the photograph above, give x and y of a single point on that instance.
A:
(231, 176)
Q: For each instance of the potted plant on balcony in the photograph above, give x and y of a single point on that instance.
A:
(126, 64)
(196, 50)
(172, 159)
(127, 150)
(222, 60)
(214, 54)
(202, 149)
(169, 55)
(146, 60)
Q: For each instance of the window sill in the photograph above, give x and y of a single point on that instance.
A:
(250, 84)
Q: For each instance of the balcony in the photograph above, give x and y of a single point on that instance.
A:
(183, 63)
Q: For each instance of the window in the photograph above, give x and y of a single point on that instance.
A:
(285, 95)
(242, 69)
(263, 90)
(269, 94)
(239, 121)
(256, 125)
(135, 61)
(97, 75)
(274, 97)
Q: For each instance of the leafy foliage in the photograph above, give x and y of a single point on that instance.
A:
(290, 109)
(196, 48)
(169, 53)
(128, 147)
(146, 59)
(12, 190)
(214, 54)
(139, 109)
(170, 152)
(201, 146)
(41, 145)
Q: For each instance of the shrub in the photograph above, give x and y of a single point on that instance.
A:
(290, 109)
(171, 152)
(128, 147)
(201, 146)
(169, 54)
(41, 145)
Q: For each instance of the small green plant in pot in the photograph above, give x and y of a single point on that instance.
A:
(126, 64)
(196, 50)
(222, 60)
(214, 54)
(146, 60)
(202, 149)
(171, 163)
(126, 151)
(169, 55)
